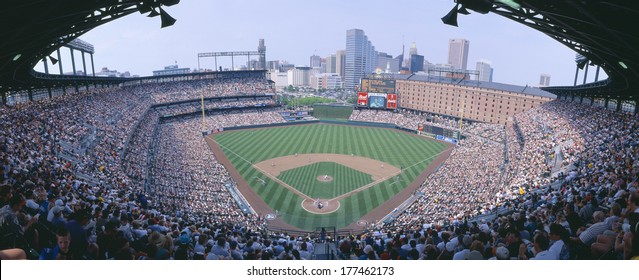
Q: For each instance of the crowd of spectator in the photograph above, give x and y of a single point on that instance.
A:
(188, 90)
(467, 184)
(75, 171)
(590, 210)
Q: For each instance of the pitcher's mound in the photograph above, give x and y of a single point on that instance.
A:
(324, 178)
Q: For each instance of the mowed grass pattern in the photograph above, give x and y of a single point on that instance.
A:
(345, 179)
(245, 147)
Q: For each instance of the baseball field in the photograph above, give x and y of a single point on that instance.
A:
(325, 175)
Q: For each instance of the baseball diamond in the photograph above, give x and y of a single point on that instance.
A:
(282, 169)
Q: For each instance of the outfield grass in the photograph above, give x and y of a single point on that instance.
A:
(410, 152)
(345, 179)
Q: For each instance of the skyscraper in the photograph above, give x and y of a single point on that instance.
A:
(361, 57)
(408, 59)
(330, 64)
(458, 53)
(340, 63)
(387, 63)
(544, 80)
(416, 63)
(485, 71)
(315, 61)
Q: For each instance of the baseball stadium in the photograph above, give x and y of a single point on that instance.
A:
(212, 164)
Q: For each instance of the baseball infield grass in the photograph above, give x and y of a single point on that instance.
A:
(409, 152)
(344, 180)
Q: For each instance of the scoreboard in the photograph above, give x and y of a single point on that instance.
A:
(381, 86)
(377, 94)
(377, 100)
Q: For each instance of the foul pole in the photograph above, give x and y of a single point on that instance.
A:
(203, 116)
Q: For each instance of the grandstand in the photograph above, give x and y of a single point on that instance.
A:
(120, 166)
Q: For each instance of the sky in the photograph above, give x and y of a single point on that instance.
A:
(295, 30)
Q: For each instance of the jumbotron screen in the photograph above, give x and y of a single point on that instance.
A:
(376, 100)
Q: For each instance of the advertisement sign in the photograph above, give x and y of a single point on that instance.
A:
(391, 101)
(362, 99)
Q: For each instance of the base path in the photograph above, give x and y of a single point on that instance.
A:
(377, 169)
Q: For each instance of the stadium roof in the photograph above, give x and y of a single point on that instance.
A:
(605, 32)
(33, 29)
(472, 83)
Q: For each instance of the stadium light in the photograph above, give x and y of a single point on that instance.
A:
(17, 57)
(451, 17)
(623, 65)
(167, 20)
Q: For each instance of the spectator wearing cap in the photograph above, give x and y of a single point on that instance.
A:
(501, 253)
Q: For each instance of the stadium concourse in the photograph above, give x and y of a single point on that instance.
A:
(559, 182)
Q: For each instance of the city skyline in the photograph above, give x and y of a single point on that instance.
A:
(137, 44)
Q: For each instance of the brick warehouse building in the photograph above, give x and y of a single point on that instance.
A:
(477, 101)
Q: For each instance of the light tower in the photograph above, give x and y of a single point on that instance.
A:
(261, 48)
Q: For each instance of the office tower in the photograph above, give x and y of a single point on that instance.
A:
(299, 76)
(361, 57)
(485, 71)
(416, 63)
(458, 53)
(544, 80)
(387, 63)
(340, 63)
(315, 62)
(330, 64)
(412, 51)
